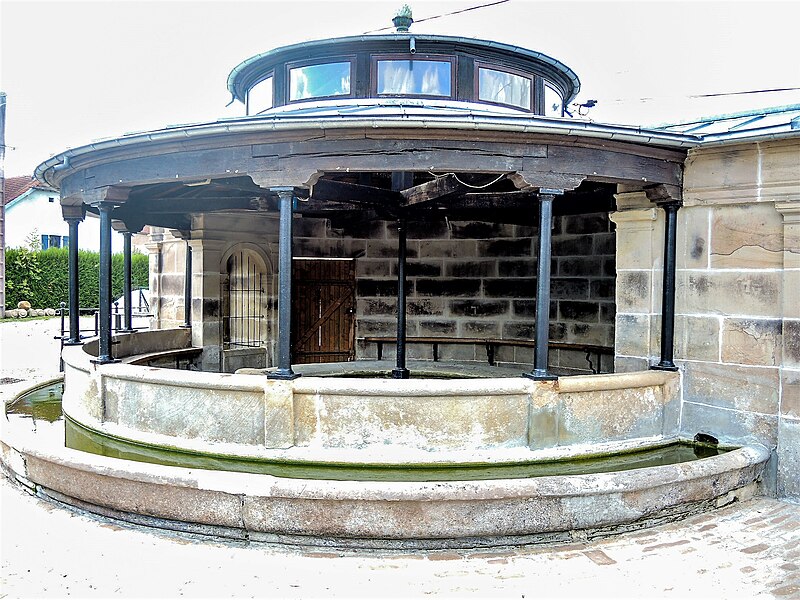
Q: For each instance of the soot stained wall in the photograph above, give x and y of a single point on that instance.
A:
(476, 279)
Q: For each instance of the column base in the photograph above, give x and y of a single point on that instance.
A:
(540, 376)
(401, 373)
(104, 360)
(184, 326)
(127, 330)
(283, 374)
(664, 367)
(73, 343)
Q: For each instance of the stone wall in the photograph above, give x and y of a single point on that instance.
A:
(476, 279)
(737, 330)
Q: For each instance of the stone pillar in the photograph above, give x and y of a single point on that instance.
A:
(284, 369)
(73, 215)
(206, 302)
(788, 479)
(639, 254)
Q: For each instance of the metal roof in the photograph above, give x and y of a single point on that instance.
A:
(380, 114)
(779, 121)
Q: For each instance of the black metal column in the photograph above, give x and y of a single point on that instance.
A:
(127, 309)
(74, 291)
(539, 372)
(668, 287)
(284, 370)
(187, 288)
(400, 371)
(104, 353)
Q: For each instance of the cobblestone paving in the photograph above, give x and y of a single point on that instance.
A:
(746, 550)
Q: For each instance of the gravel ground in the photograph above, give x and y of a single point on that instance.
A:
(747, 550)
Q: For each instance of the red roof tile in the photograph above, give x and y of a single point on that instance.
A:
(14, 187)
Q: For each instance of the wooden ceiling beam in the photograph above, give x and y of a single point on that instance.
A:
(432, 190)
(338, 191)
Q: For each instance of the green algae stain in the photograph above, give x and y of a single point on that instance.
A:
(45, 403)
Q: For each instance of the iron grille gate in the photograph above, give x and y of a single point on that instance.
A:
(243, 303)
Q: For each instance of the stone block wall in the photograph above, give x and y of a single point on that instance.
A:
(737, 297)
(167, 254)
(476, 279)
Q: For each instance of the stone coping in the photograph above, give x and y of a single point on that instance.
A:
(483, 418)
(379, 514)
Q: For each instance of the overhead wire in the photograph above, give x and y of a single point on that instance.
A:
(455, 12)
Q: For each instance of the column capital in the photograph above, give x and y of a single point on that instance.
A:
(73, 212)
(106, 196)
(664, 195)
(538, 180)
(283, 191)
(549, 192)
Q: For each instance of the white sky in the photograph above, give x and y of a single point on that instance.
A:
(79, 71)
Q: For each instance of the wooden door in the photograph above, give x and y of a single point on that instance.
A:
(323, 323)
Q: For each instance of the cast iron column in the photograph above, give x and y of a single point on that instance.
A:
(74, 292)
(668, 291)
(400, 371)
(539, 372)
(104, 353)
(284, 370)
(127, 309)
(401, 180)
(187, 288)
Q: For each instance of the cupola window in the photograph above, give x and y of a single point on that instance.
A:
(418, 77)
(502, 87)
(319, 81)
(259, 97)
(553, 104)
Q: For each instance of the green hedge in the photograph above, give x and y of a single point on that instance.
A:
(42, 277)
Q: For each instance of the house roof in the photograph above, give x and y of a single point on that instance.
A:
(14, 187)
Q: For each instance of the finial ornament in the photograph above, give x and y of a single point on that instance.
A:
(402, 19)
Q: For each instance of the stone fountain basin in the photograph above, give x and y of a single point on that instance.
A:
(374, 421)
(382, 514)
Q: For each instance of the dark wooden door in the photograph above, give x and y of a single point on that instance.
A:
(323, 324)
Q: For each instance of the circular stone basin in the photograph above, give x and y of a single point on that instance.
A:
(383, 514)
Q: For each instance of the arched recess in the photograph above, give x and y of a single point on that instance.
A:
(247, 319)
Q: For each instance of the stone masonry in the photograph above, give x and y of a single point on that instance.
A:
(737, 298)
(476, 279)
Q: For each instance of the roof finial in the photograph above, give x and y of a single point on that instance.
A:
(402, 19)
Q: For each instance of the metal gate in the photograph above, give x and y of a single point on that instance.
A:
(323, 323)
(243, 303)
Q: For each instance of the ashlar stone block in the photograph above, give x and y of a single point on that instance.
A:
(789, 459)
(733, 387)
(697, 338)
(790, 401)
(748, 236)
(633, 335)
(729, 426)
(751, 341)
(752, 293)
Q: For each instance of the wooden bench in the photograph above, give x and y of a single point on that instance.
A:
(491, 345)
